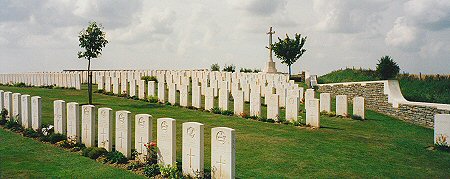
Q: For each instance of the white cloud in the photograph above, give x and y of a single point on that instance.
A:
(402, 35)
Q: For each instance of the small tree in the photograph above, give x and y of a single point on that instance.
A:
(229, 68)
(387, 68)
(92, 40)
(289, 50)
(215, 67)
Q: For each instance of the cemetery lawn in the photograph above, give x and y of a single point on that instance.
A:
(381, 146)
(22, 157)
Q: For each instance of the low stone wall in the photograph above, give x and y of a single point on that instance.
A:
(381, 97)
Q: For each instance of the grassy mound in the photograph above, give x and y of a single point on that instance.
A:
(433, 89)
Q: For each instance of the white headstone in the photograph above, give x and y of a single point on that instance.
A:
(123, 133)
(124, 86)
(341, 105)
(105, 128)
(151, 86)
(8, 103)
(223, 98)
(172, 93)
(359, 107)
(312, 113)
(309, 94)
(273, 109)
(161, 92)
(166, 141)
(115, 84)
(238, 102)
(36, 112)
(16, 109)
(255, 104)
(292, 104)
(209, 98)
(223, 152)
(143, 134)
(246, 89)
(88, 125)
(196, 97)
(59, 114)
(193, 149)
(269, 90)
(26, 111)
(184, 96)
(281, 91)
(2, 99)
(442, 129)
(141, 90)
(107, 83)
(73, 122)
(101, 83)
(132, 87)
(325, 102)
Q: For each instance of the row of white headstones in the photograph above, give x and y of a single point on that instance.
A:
(288, 97)
(25, 109)
(223, 140)
(60, 79)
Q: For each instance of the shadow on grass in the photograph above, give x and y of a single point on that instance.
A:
(333, 128)
(147, 105)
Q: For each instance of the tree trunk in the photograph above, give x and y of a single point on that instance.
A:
(89, 81)
(289, 72)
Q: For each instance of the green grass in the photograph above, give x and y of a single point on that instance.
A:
(22, 157)
(378, 147)
(430, 89)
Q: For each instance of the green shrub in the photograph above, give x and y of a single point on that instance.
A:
(31, 133)
(20, 85)
(356, 117)
(3, 115)
(151, 170)
(116, 157)
(94, 152)
(229, 68)
(216, 110)
(170, 171)
(387, 68)
(134, 166)
(245, 70)
(13, 125)
(215, 67)
(271, 120)
(101, 91)
(54, 138)
(262, 119)
(256, 70)
(227, 112)
(153, 99)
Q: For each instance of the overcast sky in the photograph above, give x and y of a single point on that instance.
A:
(43, 35)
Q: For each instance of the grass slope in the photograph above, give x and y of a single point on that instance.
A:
(378, 147)
(22, 157)
(430, 89)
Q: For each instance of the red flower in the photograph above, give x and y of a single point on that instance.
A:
(153, 144)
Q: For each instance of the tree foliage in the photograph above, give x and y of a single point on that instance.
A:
(289, 50)
(387, 68)
(229, 68)
(92, 40)
(215, 67)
